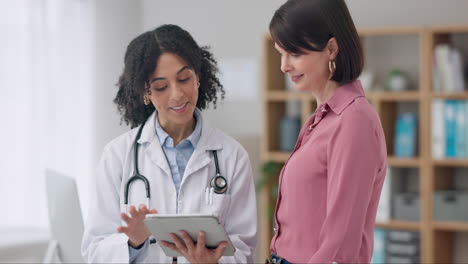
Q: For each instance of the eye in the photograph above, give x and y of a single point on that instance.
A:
(295, 55)
(160, 89)
(184, 80)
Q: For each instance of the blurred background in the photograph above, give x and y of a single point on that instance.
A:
(60, 60)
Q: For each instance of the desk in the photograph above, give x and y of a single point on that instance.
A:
(23, 244)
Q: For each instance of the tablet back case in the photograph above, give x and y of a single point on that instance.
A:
(162, 225)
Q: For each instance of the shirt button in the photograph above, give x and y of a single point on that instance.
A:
(310, 128)
(334, 262)
(324, 110)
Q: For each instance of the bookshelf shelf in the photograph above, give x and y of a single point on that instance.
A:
(396, 224)
(394, 96)
(451, 226)
(452, 29)
(412, 50)
(455, 96)
(451, 163)
(403, 162)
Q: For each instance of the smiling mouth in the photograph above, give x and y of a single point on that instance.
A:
(181, 108)
(296, 78)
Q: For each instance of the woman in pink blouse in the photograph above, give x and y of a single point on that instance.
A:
(330, 186)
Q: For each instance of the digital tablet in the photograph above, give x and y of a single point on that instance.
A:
(161, 225)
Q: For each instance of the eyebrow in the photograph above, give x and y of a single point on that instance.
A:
(163, 78)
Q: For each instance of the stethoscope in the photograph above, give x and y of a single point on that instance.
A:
(218, 184)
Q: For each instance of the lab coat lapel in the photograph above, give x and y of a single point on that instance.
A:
(155, 153)
(150, 143)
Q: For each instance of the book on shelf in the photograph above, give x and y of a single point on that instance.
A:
(460, 129)
(449, 129)
(402, 246)
(406, 135)
(447, 71)
(378, 255)
(466, 128)
(438, 129)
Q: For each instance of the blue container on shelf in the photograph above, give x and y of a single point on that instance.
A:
(406, 135)
(289, 131)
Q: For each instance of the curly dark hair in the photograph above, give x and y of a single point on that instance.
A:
(140, 61)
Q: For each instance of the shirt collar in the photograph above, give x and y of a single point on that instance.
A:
(343, 97)
(194, 138)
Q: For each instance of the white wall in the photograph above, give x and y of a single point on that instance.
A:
(117, 23)
(376, 13)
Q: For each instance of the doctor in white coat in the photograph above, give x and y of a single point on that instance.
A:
(166, 82)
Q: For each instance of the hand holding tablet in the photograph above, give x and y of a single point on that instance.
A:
(199, 232)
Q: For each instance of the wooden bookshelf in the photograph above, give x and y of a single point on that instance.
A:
(451, 163)
(436, 238)
(451, 226)
(403, 162)
(393, 96)
(403, 225)
(453, 96)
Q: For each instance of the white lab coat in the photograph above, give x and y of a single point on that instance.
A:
(236, 208)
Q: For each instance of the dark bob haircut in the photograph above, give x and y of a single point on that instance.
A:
(300, 25)
(140, 61)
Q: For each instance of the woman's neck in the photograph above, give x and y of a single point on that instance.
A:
(179, 132)
(322, 95)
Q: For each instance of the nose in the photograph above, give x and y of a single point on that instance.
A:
(177, 92)
(285, 64)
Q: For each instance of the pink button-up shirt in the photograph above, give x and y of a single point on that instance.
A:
(330, 186)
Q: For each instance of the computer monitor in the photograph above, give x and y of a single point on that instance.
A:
(66, 221)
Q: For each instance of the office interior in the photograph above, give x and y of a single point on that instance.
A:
(61, 60)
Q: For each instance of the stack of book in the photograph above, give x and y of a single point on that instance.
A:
(449, 129)
(395, 246)
(447, 70)
(402, 247)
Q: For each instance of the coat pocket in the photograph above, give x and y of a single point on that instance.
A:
(218, 206)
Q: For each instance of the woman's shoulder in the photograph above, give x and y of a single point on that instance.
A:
(360, 111)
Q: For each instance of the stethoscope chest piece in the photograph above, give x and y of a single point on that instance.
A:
(219, 184)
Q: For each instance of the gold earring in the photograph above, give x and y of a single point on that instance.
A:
(332, 66)
(146, 100)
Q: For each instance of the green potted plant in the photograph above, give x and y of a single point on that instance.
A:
(269, 179)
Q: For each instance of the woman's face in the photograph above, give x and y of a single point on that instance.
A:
(174, 90)
(308, 71)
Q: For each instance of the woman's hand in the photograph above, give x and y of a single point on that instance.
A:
(136, 230)
(195, 253)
